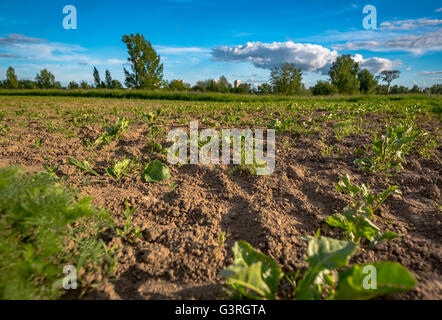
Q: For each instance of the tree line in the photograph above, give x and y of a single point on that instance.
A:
(146, 72)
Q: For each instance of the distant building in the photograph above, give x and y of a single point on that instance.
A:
(236, 83)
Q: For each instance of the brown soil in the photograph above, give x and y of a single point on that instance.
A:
(179, 256)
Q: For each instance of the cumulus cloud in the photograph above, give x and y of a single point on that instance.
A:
(409, 24)
(308, 57)
(375, 65)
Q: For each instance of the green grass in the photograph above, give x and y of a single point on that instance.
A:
(219, 97)
(37, 237)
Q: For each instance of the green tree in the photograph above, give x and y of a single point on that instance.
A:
(398, 89)
(108, 79)
(388, 76)
(286, 79)
(436, 89)
(11, 79)
(224, 85)
(243, 88)
(45, 79)
(73, 85)
(367, 82)
(146, 70)
(84, 85)
(177, 85)
(343, 74)
(97, 79)
(27, 84)
(265, 88)
(415, 89)
(324, 88)
(116, 84)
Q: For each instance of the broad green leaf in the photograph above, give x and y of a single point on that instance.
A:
(119, 168)
(365, 228)
(83, 165)
(253, 270)
(156, 172)
(247, 278)
(328, 253)
(384, 278)
(323, 253)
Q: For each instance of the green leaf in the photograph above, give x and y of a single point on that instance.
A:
(387, 235)
(365, 228)
(327, 253)
(119, 168)
(344, 185)
(253, 271)
(387, 277)
(356, 227)
(380, 198)
(156, 172)
(82, 165)
(323, 253)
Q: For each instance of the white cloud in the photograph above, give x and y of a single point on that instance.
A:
(116, 61)
(375, 65)
(438, 10)
(14, 38)
(418, 44)
(409, 24)
(428, 73)
(180, 50)
(309, 57)
(36, 49)
(8, 55)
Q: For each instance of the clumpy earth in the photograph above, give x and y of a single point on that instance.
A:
(179, 255)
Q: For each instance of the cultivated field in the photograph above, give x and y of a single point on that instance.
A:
(145, 237)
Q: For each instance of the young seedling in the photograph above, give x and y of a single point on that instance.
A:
(83, 166)
(4, 129)
(114, 132)
(128, 232)
(38, 142)
(390, 149)
(156, 171)
(110, 258)
(52, 169)
(356, 219)
(222, 238)
(119, 169)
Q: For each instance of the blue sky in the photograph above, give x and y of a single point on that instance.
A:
(241, 39)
